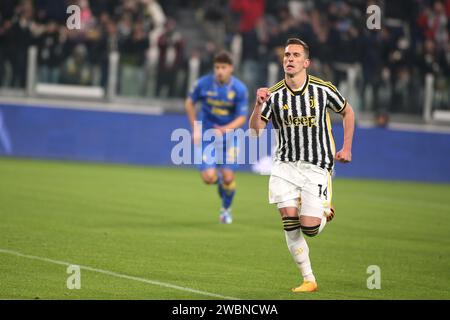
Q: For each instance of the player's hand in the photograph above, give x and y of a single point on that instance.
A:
(219, 130)
(344, 156)
(262, 95)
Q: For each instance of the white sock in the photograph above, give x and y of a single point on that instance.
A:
(300, 252)
(322, 224)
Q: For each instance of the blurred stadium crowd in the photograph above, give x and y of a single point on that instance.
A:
(157, 39)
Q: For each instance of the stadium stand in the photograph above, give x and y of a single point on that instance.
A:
(140, 57)
(383, 71)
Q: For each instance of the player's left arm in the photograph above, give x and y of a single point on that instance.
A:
(348, 119)
(236, 123)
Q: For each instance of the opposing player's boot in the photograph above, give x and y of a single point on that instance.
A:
(306, 286)
(225, 216)
(329, 213)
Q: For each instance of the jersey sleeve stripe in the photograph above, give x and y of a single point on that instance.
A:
(266, 112)
(337, 102)
(327, 83)
(342, 109)
(276, 86)
(323, 83)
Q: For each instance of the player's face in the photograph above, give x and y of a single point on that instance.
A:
(295, 60)
(223, 72)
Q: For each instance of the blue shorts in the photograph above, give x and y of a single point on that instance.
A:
(220, 154)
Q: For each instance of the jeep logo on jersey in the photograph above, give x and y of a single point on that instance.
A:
(306, 121)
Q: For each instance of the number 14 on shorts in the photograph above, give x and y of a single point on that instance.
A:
(325, 191)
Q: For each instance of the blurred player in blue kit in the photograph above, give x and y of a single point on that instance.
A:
(224, 107)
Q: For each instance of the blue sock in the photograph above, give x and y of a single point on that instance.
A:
(228, 194)
(219, 186)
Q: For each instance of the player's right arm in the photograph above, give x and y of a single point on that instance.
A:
(257, 122)
(189, 105)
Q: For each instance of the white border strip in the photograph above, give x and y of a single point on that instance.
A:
(408, 127)
(441, 115)
(70, 91)
(82, 105)
(119, 275)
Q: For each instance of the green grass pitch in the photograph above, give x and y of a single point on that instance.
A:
(161, 224)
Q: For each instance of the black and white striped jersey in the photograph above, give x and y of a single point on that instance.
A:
(302, 121)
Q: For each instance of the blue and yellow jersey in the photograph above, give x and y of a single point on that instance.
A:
(220, 104)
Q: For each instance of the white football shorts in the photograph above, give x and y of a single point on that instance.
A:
(304, 181)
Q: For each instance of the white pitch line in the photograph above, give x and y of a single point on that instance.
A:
(119, 275)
